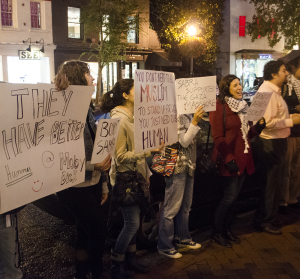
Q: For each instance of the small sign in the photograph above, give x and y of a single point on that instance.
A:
(29, 55)
(258, 106)
(265, 56)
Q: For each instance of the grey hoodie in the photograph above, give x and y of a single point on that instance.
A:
(124, 157)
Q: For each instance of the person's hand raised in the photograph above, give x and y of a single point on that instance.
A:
(198, 115)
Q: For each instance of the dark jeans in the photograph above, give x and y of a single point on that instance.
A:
(232, 185)
(85, 205)
(272, 153)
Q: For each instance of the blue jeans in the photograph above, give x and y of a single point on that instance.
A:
(131, 215)
(225, 211)
(174, 218)
(8, 250)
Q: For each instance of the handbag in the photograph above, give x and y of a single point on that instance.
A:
(207, 165)
(126, 191)
(164, 163)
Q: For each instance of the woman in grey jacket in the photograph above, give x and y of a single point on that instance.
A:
(85, 199)
(127, 167)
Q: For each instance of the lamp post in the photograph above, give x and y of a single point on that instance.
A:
(192, 32)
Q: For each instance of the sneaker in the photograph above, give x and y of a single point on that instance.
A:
(190, 244)
(173, 254)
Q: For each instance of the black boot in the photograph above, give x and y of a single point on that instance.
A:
(229, 234)
(132, 263)
(117, 267)
(218, 236)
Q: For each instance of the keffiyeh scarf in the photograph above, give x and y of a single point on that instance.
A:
(241, 108)
(292, 82)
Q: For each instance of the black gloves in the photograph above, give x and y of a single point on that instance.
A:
(260, 126)
(232, 167)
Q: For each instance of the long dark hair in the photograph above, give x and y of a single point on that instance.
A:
(114, 97)
(224, 87)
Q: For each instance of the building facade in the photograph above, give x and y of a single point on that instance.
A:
(69, 38)
(26, 43)
(240, 56)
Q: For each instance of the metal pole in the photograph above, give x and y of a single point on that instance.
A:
(191, 67)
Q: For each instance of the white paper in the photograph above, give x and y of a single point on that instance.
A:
(41, 144)
(194, 92)
(106, 138)
(258, 106)
(155, 115)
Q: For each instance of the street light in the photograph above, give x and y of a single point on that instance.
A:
(192, 32)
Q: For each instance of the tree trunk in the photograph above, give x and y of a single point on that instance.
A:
(99, 83)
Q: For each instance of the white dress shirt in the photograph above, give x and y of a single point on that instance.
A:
(278, 121)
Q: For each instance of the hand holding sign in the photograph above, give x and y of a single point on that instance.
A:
(104, 165)
(198, 115)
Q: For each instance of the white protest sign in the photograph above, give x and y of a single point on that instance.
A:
(194, 92)
(106, 138)
(155, 116)
(41, 144)
(258, 106)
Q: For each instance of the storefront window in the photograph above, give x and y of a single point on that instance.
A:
(248, 70)
(28, 71)
(73, 22)
(6, 13)
(35, 11)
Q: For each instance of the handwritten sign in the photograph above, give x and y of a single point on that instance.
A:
(155, 115)
(258, 106)
(193, 92)
(106, 138)
(41, 141)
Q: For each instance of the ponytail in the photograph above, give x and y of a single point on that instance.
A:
(114, 97)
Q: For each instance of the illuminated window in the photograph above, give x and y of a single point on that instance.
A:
(35, 12)
(6, 13)
(74, 22)
(132, 34)
(242, 26)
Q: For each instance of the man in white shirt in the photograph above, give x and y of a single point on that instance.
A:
(272, 145)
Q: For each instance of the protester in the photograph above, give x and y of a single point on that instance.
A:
(129, 176)
(232, 152)
(272, 145)
(174, 218)
(290, 191)
(85, 199)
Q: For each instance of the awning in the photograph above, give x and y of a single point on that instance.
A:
(258, 54)
(162, 59)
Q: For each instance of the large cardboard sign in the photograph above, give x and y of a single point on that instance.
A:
(155, 115)
(41, 141)
(194, 92)
(106, 138)
(258, 106)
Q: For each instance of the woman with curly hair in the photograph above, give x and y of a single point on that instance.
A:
(85, 199)
(231, 133)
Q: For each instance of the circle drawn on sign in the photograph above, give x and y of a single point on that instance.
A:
(48, 159)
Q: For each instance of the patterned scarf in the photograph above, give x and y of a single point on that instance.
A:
(241, 108)
(292, 82)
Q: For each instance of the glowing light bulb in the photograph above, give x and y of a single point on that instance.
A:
(192, 30)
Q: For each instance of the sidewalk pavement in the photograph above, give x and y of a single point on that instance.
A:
(259, 255)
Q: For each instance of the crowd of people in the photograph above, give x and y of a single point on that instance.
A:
(276, 138)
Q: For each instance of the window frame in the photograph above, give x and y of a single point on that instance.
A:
(7, 12)
(37, 15)
(80, 25)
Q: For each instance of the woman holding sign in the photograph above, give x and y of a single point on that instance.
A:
(232, 151)
(85, 199)
(129, 176)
